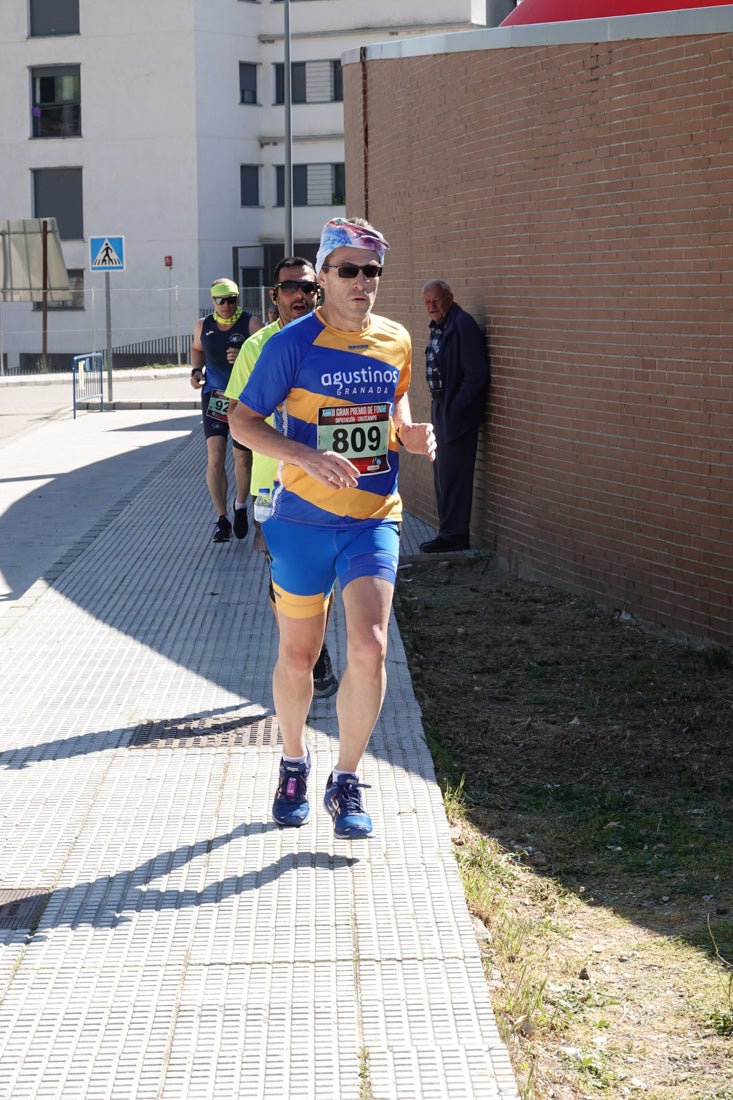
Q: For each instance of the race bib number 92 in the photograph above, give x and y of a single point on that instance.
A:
(218, 405)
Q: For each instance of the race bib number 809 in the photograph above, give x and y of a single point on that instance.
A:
(359, 433)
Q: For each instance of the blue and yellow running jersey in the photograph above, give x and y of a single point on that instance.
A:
(335, 391)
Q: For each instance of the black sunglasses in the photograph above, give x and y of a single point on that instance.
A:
(350, 271)
(223, 301)
(290, 286)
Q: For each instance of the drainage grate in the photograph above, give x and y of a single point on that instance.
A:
(20, 908)
(211, 732)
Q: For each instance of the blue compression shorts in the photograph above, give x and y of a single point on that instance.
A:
(307, 560)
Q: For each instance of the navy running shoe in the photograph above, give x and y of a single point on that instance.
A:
(223, 530)
(291, 806)
(325, 683)
(240, 525)
(343, 802)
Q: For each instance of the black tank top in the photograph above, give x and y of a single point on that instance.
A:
(215, 342)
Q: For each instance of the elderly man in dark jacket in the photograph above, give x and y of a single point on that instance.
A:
(457, 372)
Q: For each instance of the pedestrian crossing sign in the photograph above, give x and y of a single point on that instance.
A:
(107, 253)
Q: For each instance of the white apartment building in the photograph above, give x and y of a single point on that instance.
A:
(164, 124)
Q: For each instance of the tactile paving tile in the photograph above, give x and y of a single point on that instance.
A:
(189, 947)
(21, 908)
(214, 731)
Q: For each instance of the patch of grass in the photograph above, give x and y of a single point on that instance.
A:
(441, 758)
(721, 1018)
(365, 1083)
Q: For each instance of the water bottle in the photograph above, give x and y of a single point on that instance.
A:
(263, 505)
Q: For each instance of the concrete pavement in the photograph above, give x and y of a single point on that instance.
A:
(159, 935)
(61, 483)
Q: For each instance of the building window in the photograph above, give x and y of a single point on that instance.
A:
(249, 184)
(54, 17)
(313, 184)
(338, 81)
(310, 82)
(338, 198)
(250, 277)
(56, 101)
(247, 82)
(57, 193)
(300, 185)
(297, 82)
(76, 286)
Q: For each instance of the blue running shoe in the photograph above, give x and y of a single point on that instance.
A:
(291, 806)
(343, 802)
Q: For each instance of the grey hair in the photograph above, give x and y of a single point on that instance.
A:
(436, 282)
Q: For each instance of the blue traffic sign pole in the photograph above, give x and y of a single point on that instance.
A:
(107, 254)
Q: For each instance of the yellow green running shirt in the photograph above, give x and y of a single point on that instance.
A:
(335, 391)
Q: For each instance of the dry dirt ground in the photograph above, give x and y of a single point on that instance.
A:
(596, 767)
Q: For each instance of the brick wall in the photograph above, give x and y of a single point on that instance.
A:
(578, 198)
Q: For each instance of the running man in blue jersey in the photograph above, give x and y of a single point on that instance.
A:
(337, 382)
(294, 294)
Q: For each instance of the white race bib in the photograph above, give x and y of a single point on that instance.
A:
(359, 433)
(218, 405)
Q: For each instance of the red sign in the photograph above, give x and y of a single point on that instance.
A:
(168, 261)
(557, 11)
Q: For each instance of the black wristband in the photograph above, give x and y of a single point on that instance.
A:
(197, 370)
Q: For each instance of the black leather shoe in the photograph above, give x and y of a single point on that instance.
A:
(440, 545)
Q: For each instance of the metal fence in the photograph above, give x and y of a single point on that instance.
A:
(167, 349)
(88, 384)
(154, 347)
(144, 353)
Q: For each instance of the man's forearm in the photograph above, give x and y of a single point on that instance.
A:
(401, 415)
(254, 432)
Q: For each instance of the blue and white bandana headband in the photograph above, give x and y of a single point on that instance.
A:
(339, 232)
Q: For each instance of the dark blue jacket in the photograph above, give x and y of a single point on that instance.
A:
(464, 370)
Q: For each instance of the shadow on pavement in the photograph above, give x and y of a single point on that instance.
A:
(106, 901)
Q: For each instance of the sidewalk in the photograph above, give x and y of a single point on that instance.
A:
(161, 937)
